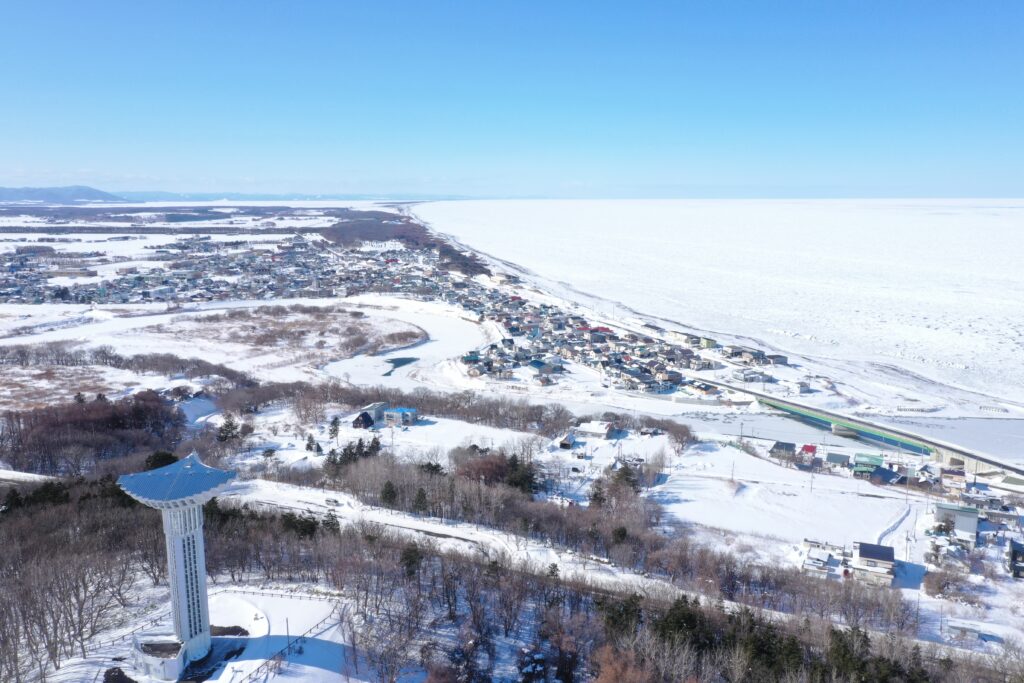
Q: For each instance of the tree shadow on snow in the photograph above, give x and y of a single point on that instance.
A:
(312, 652)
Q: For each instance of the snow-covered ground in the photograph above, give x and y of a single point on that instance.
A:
(722, 487)
(150, 328)
(899, 300)
(429, 439)
(273, 618)
(9, 476)
(271, 621)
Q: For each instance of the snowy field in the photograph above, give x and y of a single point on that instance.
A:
(767, 501)
(294, 350)
(914, 298)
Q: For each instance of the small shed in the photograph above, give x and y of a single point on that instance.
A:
(837, 459)
(782, 449)
(362, 421)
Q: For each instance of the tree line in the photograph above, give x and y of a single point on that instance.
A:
(66, 354)
(72, 439)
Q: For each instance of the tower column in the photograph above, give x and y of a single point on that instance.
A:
(186, 567)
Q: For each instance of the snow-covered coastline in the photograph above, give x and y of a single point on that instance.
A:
(899, 302)
(928, 286)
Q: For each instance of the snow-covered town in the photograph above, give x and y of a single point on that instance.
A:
(729, 448)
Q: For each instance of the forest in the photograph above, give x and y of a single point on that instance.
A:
(78, 553)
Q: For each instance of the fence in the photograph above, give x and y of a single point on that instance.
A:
(281, 594)
(151, 622)
(266, 669)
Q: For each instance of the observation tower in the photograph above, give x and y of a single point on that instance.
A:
(179, 490)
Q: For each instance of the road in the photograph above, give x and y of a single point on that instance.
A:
(935, 445)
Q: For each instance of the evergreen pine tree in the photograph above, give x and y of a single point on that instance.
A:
(159, 459)
(388, 494)
(626, 475)
(331, 523)
(410, 559)
(12, 501)
(228, 430)
(332, 468)
(420, 504)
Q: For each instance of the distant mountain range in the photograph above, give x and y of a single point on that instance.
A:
(56, 195)
(81, 193)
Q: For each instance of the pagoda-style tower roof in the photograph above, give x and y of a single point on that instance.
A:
(180, 484)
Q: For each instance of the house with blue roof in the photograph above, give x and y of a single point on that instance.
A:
(400, 416)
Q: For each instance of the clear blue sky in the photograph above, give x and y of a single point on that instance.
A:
(590, 99)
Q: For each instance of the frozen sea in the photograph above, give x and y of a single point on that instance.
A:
(925, 295)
